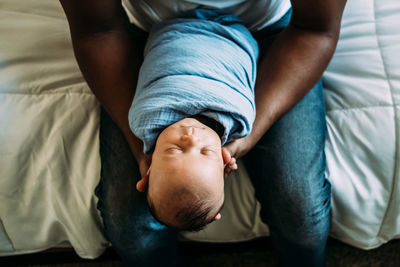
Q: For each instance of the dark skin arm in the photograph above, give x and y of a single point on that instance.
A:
(292, 65)
(109, 58)
(290, 68)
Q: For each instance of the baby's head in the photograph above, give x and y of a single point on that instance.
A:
(186, 178)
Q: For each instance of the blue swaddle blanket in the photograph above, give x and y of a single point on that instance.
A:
(203, 62)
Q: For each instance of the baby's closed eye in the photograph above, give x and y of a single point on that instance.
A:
(208, 151)
(174, 150)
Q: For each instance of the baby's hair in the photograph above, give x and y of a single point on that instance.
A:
(193, 217)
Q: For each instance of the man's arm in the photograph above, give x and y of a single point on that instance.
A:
(293, 64)
(108, 57)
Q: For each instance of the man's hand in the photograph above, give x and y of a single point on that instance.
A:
(233, 151)
(239, 147)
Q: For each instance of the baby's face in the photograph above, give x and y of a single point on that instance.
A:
(189, 138)
(187, 154)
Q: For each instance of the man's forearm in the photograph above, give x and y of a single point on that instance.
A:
(295, 61)
(113, 83)
(108, 57)
(290, 68)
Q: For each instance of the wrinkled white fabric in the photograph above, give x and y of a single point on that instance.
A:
(255, 14)
(49, 126)
(363, 103)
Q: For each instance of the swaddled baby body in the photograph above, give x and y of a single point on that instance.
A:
(195, 93)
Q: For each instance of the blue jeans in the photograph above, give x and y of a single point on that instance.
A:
(286, 167)
(133, 232)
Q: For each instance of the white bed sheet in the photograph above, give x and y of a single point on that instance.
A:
(49, 145)
(362, 86)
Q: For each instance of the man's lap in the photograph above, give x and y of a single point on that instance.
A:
(287, 169)
(128, 224)
(291, 151)
(293, 148)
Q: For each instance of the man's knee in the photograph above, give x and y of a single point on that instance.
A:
(309, 233)
(140, 240)
(302, 208)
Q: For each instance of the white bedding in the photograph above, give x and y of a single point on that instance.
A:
(49, 143)
(49, 148)
(363, 111)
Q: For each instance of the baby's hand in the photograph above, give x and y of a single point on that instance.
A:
(230, 162)
(238, 148)
(232, 151)
(229, 167)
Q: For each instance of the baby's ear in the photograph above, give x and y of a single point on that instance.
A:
(226, 156)
(141, 185)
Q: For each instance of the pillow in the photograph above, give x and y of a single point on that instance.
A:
(362, 86)
(49, 146)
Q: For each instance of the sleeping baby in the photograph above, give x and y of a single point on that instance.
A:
(195, 93)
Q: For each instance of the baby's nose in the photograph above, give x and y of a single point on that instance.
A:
(189, 137)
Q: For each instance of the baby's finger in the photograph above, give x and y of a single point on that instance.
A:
(233, 166)
(226, 155)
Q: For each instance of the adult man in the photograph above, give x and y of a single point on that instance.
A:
(284, 151)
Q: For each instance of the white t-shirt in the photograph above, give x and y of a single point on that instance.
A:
(255, 14)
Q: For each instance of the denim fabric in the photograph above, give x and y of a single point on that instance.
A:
(287, 169)
(133, 232)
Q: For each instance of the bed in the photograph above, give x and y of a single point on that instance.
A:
(49, 129)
